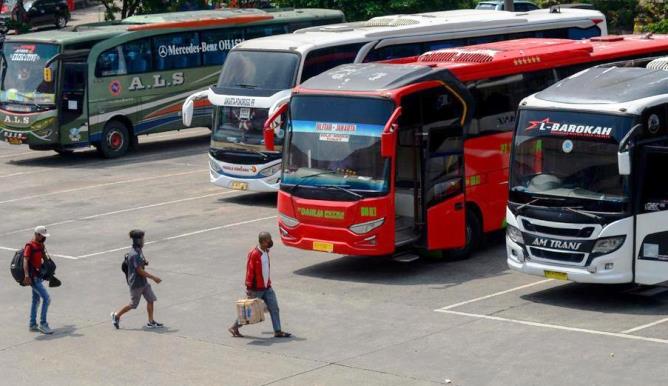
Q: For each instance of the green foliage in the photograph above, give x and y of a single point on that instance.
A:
(362, 10)
(660, 27)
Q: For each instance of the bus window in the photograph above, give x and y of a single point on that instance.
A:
(321, 60)
(180, 50)
(137, 55)
(265, 30)
(219, 43)
(394, 52)
(111, 62)
(443, 44)
(583, 33)
(497, 100)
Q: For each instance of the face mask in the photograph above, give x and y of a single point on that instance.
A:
(270, 244)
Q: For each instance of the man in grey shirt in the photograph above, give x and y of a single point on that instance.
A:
(137, 278)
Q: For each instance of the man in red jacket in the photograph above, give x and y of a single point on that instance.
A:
(258, 284)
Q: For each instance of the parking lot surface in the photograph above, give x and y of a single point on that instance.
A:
(355, 320)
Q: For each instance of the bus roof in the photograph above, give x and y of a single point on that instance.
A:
(485, 61)
(67, 37)
(467, 21)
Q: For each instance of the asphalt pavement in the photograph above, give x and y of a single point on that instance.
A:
(355, 320)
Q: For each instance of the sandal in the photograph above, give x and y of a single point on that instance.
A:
(282, 334)
(235, 332)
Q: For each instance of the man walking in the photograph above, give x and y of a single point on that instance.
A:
(258, 284)
(34, 255)
(137, 278)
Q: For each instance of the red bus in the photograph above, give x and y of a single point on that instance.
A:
(382, 157)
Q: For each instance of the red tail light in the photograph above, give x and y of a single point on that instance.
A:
(598, 21)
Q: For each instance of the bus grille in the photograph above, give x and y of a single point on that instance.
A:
(568, 257)
(566, 232)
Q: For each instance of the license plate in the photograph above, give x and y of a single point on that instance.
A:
(244, 113)
(239, 185)
(556, 275)
(14, 140)
(323, 247)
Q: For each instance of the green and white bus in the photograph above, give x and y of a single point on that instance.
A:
(104, 84)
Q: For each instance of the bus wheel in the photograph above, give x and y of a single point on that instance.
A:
(473, 237)
(115, 140)
(61, 21)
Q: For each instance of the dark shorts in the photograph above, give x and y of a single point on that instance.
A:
(137, 293)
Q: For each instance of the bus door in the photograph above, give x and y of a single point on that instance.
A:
(651, 233)
(73, 104)
(443, 192)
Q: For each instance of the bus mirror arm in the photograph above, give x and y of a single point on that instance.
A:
(268, 130)
(623, 153)
(388, 138)
(188, 107)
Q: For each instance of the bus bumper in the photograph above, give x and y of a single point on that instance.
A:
(305, 236)
(268, 184)
(596, 273)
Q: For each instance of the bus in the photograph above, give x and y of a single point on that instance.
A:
(104, 84)
(272, 66)
(587, 200)
(385, 158)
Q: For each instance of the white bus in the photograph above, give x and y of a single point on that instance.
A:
(588, 194)
(260, 73)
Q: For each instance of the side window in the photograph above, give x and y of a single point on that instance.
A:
(583, 33)
(265, 30)
(654, 196)
(111, 62)
(323, 59)
(137, 55)
(442, 44)
(497, 100)
(180, 50)
(394, 52)
(218, 43)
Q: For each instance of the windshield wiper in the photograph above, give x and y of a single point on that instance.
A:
(303, 179)
(343, 189)
(245, 85)
(530, 203)
(582, 212)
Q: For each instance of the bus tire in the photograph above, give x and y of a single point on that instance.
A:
(61, 21)
(473, 237)
(115, 140)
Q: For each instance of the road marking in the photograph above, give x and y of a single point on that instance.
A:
(50, 254)
(178, 236)
(126, 210)
(24, 198)
(23, 173)
(493, 295)
(644, 326)
(16, 154)
(557, 327)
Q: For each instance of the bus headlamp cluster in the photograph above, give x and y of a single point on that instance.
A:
(608, 245)
(288, 221)
(514, 234)
(366, 227)
(271, 170)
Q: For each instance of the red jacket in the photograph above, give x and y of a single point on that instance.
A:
(254, 278)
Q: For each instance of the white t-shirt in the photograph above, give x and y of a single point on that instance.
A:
(265, 267)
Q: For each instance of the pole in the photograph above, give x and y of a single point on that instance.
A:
(508, 5)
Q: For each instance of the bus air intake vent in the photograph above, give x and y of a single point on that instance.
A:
(390, 22)
(658, 64)
(458, 56)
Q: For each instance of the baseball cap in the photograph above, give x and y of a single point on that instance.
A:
(41, 230)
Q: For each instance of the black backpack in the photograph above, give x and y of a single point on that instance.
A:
(16, 267)
(124, 266)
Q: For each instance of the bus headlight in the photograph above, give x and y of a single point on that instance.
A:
(608, 245)
(271, 170)
(288, 221)
(514, 234)
(215, 167)
(366, 227)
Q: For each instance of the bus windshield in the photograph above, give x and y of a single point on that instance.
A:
(335, 142)
(267, 70)
(23, 81)
(570, 157)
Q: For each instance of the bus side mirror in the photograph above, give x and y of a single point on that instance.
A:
(388, 143)
(187, 111)
(275, 112)
(48, 75)
(624, 163)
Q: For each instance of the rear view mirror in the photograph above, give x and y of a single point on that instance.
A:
(275, 113)
(388, 144)
(48, 75)
(624, 163)
(188, 107)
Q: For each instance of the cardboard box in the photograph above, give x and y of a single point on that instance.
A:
(250, 311)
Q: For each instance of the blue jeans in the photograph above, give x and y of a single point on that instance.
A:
(39, 292)
(269, 297)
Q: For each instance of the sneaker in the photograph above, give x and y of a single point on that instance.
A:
(33, 328)
(154, 324)
(115, 321)
(45, 329)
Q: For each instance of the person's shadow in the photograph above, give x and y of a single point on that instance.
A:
(67, 331)
(271, 340)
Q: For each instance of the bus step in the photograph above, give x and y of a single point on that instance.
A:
(405, 257)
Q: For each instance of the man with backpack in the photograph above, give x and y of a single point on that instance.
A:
(258, 284)
(137, 279)
(34, 254)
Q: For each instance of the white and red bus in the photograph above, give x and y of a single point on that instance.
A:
(384, 156)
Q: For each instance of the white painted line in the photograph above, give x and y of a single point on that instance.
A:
(644, 326)
(494, 294)
(17, 154)
(557, 327)
(23, 173)
(24, 198)
(178, 236)
(50, 254)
